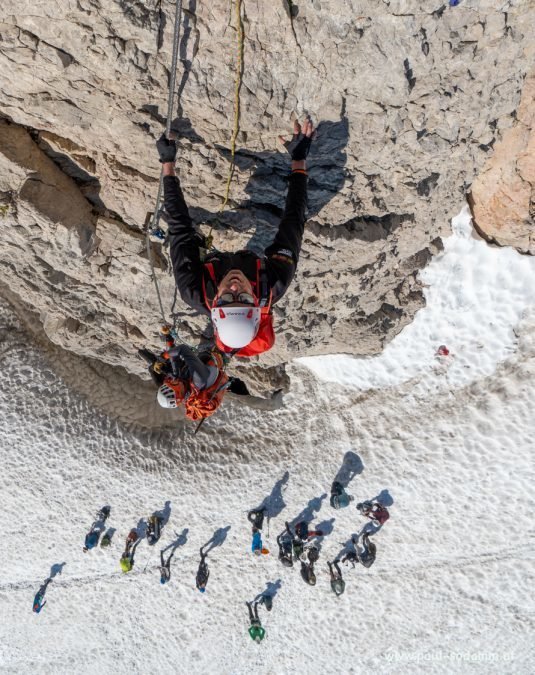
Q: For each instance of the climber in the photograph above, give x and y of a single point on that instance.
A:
(238, 289)
(202, 573)
(39, 602)
(338, 585)
(296, 543)
(107, 537)
(154, 529)
(256, 631)
(311, 554)
(165, 567)
(284, 543)
(92, 537)
(303, 533)
(197, 380)
(339, 497)
(127, 559)
(375, 511)
(367, 557)
(307, 572)
(256, 518)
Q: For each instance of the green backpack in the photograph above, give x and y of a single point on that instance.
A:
(257, 633)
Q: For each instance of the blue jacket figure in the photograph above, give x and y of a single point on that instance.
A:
(256, 518)
(39, 601)
(256, 546)
(91, 540)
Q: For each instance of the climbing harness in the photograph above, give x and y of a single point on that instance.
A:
(153, 224)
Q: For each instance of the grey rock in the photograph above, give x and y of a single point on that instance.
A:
(409, 99)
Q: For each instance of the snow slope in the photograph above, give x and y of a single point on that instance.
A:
(475, 294)
(450, 590)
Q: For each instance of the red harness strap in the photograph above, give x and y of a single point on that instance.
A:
(265, 338)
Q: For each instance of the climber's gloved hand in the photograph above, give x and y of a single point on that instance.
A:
(299, 146)
(166, 149)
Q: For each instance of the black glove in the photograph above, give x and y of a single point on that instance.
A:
(299, 146)
(166, 149)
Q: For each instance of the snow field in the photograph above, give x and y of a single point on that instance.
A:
(449, 592)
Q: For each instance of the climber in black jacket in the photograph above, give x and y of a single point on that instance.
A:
(237, 289)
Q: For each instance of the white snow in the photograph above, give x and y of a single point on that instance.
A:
(451, 590)
(475, 295)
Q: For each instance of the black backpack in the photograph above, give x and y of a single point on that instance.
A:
(297, 548)
(301, 530)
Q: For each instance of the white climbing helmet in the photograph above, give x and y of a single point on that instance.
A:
(236, 326)
(166, 397)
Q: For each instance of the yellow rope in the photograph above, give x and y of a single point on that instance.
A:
(236, 127)
(237, 88)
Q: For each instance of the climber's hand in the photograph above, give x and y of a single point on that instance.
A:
(166, 149)
(299, 146)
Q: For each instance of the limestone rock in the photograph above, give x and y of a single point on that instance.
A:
(409, 98)
(503, 195)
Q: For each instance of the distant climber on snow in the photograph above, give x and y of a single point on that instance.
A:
(375, 511)
(368, 555)
(256, 518)
(127, 559)
(310, 554)
(197, 380)
(92, 537)
(339, 497)
(39, 600)
(154, 529)
(165, 563)
(307, 572)
(202, 573)
(338, 585)
(303, 532)
(165, 566)
(237, 290)
(285, 544)
(256, 631)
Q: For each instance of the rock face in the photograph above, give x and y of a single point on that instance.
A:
(503, 195)
(409, 104)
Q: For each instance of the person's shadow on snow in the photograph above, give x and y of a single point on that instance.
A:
(141, 529)
(271, 590)
(217, 539)
(164, 514)
(56, 569)
(351, 466)
(307, 514)
(274, 503)
(384, 497)
(325, 527)
(181, 540)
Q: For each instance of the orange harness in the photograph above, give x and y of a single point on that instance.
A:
(265, 338)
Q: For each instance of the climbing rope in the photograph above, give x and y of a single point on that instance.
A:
(170, 101)
(153, 223)
(237, 112)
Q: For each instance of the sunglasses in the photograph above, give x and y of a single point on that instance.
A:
(230, 298)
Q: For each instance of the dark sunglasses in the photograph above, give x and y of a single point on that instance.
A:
(230, 298)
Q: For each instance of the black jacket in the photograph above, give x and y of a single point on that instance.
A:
(281, 256)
